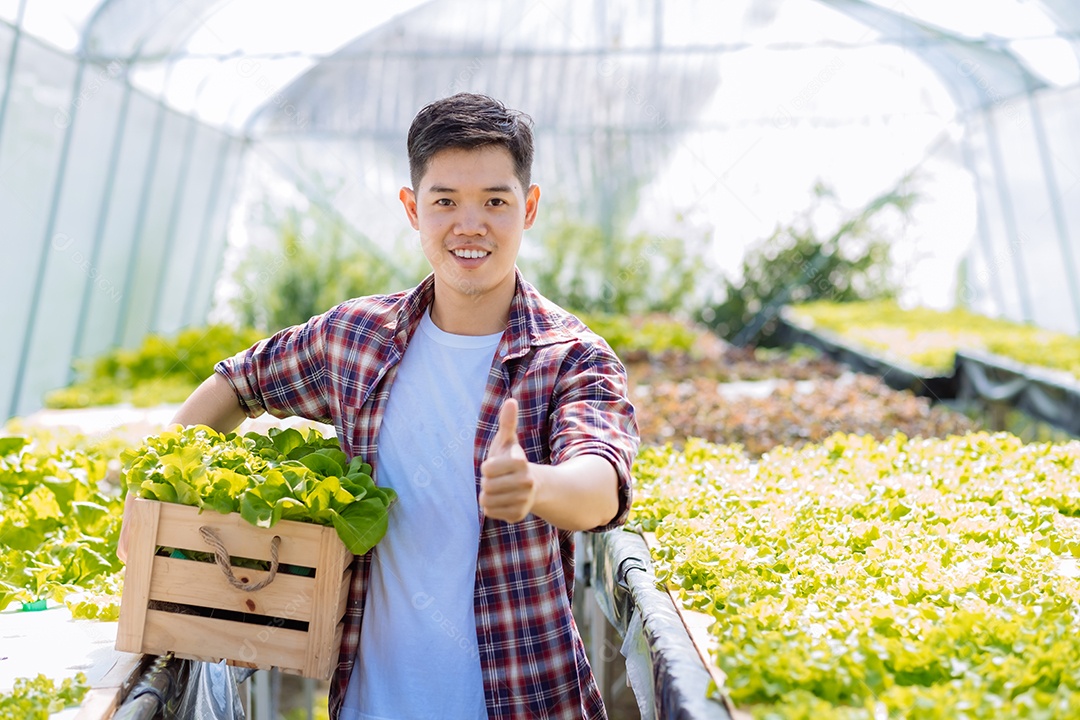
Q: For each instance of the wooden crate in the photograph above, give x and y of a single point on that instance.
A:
(270, 632)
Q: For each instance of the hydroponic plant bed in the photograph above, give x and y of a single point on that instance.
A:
(59, 527)
(715, 360)
(784, 412)
(930, 338)
(865, 579)
(59, 524)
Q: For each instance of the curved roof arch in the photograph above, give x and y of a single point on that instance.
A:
(978, 73)
(198, 55)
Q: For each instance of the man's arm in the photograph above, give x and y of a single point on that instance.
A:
(579, 494)
(283, 374)
(213, 404)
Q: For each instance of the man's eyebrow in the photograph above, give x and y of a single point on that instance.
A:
(493, 189)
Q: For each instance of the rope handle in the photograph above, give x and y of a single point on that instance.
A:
(222, 557)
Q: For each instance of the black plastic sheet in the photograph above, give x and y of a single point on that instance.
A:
(157, 691)
(1046, 395)
(644, 616)
(897, 375)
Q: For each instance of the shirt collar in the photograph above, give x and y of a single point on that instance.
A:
(534, 320)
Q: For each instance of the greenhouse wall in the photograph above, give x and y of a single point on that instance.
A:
(114, 209)
(1026, 260)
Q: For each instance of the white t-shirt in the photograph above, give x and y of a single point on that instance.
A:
(418, 656)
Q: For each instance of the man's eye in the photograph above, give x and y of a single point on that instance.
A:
(497, 201)
(445, 202)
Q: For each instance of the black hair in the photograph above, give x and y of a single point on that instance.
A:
(468, 120)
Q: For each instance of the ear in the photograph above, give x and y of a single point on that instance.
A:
(532, 203)
(408, 199)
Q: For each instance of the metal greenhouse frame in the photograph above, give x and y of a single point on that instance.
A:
(126, 153)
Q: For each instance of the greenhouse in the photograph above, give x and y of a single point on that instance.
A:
(828, 257)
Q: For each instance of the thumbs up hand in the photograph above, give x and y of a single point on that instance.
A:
(507, 485)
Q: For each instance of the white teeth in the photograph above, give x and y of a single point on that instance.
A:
(471, 253)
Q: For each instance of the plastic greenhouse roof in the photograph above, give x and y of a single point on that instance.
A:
(141, 141)
(233, 63)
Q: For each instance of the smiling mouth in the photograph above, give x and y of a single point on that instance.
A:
(471, 254)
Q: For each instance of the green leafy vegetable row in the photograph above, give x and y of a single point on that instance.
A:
(59, 525)
(168, 369)
(930, 338)
(162, 369)
(642, 336)
(266, 478)
(866, 579)
(38, 698)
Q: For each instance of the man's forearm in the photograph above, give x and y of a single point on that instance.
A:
(579, 494)
(214, 404)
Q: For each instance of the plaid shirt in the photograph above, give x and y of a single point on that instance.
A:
(339, 368)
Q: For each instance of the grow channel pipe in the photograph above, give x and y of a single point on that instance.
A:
(155, 689)
(180, 689)
(662, 662)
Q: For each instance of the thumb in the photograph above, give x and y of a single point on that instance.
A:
(506, 433)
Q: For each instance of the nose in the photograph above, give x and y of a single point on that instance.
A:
(470, 222)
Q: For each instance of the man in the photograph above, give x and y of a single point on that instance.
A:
(500, 420)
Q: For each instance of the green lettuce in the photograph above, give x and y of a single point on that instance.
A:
(59, 523)
(282, 475)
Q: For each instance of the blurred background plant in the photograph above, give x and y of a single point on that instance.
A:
(800, 262)
(311, 261)
(643, 336)
(593, 269)
(161, 370)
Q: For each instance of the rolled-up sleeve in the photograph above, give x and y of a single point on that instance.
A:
(285, 374)
(593, 415)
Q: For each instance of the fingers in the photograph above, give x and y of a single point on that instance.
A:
(510, 512)
(510, 501)
(506, 433)
(507, 489)
(510, 462)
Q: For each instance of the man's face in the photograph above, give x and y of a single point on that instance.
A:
(471, 211)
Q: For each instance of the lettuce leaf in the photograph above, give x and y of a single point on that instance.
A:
(266, 478)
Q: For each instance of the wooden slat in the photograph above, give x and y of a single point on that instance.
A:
(321, 650)
(300, 542)
(331, 662)
(343, 596)
(342, 604)
(345, 560)
(320, 601)
(198, 583)
(210, 639)
(143, 519)
(101, 701)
